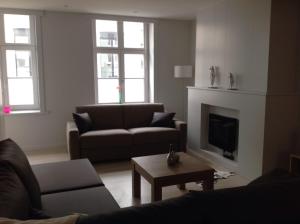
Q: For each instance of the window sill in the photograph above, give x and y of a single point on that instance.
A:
(26, 112)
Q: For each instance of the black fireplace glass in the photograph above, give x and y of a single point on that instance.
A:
(223, 133)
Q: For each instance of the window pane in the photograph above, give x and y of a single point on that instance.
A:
(106, 33)
(108, 91)
(20, 91)
(18, 63)
(134, 65)
(17, 28)
(134, 90)
(133, 35)
(107, 65)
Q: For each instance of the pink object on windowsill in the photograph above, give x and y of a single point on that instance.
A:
(7, 109)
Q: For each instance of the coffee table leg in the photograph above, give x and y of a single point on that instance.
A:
(136, 183)
(208, 184)
(181, 187)
(156, 192)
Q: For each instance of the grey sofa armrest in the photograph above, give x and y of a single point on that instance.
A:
(182, 127)
(73, 140)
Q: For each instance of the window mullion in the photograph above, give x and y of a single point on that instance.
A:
(146, 63)
(34, 75)
(121, 62)
(32, 30)
(2, 38)
(120, 35)
(4, 76)
(107, 50)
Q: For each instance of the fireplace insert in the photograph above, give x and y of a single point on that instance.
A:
(223, 133)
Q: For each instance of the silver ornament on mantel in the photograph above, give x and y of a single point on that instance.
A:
(212, 76)
(231, 82)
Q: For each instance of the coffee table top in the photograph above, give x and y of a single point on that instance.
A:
(156, 165)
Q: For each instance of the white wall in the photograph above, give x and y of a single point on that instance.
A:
(1, 115)
(68, 79)
(234, 35)
(174, 45)
(69, 76)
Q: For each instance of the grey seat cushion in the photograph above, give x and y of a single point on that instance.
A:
(91, 201)
(66, 175)
(110, 137)
(154, 135)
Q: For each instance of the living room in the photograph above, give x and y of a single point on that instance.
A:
(239, 65)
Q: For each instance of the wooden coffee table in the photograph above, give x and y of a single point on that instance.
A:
(156, 171)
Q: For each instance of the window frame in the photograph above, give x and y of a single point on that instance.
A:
(35, 70)
(121, 51)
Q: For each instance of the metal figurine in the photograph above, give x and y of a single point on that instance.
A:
(231, 81)
(212, 76)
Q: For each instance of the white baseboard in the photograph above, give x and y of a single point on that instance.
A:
(45, 149)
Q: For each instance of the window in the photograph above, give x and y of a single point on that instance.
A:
(121, 61)
(18, 45)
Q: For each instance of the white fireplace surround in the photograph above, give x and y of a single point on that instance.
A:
(249, 107)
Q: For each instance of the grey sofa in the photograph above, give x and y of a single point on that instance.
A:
(122, 132)
(57, 189)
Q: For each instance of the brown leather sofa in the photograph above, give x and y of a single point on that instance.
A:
(122, 131)
(52, 189)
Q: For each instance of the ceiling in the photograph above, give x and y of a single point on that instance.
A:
(175, 9)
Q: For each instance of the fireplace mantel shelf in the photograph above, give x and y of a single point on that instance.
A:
(248, 92)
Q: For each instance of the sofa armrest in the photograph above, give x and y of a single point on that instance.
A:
(182, 127)
(73, 140)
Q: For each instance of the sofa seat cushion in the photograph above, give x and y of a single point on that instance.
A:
(66, 175)
(109, 137)
(146, 135)
(91, 201)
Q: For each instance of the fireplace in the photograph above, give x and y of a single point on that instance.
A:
(249, 110)
(223, 134)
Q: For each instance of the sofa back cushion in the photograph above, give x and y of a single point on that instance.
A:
(140, 115)
(103, 116)
(10, 153)
(83, 122)
(267, 203)
(14, 199)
